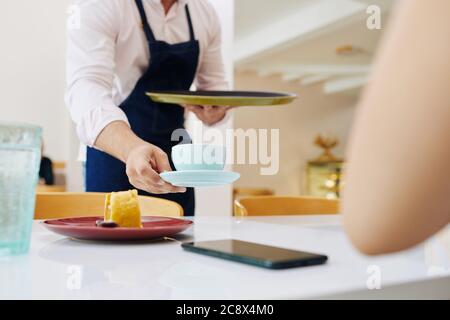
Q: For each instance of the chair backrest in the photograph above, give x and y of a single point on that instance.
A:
(276, 205)
(59, 165)
(250, 192)
(239, 193)
(55, 188)
(54, 205)
(59, 174)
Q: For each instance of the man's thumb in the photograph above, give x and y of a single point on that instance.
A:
(162, 162)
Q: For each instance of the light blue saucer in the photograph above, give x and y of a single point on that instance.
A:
(200, 178)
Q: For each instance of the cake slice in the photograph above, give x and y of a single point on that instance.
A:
(123, 209)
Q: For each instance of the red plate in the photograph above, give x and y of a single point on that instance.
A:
(86, 229)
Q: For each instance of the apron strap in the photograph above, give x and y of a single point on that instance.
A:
(148, 31)
(191, 29)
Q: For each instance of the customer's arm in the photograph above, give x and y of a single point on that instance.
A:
(397, 190)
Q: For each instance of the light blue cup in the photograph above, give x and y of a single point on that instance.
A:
(189, 157)
(20, 156)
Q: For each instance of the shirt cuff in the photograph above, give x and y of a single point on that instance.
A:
(93, 122)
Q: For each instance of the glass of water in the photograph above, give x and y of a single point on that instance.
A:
(20, 156)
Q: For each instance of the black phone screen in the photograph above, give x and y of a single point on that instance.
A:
(255, 254)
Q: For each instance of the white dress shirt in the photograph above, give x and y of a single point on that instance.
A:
(108, 53)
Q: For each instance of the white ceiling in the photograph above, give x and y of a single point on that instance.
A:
(252, 14)
(322, 49)
(315, 28)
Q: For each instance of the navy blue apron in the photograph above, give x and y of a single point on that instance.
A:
(171, 67)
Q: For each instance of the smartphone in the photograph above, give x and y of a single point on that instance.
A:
(255, 254)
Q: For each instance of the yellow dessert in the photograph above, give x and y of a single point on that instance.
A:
(123, 209)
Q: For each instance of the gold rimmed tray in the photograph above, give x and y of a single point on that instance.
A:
(222, 98)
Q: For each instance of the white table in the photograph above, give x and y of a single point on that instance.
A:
(61, 268)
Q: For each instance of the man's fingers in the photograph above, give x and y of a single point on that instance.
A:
(145, 187)
(195, 108)
(147, 179)
(166, 188)
(149, 186)
(152, 178)
(146, 172)
(162, 162)
(143, 168)
(174, 189)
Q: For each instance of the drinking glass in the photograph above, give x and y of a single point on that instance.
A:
(20, 155)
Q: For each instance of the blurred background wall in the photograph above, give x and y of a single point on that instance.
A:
(32, 77)
(299, 123)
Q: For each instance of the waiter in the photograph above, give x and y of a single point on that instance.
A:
(121, 50)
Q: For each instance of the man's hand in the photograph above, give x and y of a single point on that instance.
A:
(209, 115)
(144, 161)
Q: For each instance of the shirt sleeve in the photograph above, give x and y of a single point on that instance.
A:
(211, 72)
(90, 67)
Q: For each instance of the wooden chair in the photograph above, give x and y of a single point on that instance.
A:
(60, 174)
(252, 192)
(59, 165)
(54, 205)
(54, 188)
(276, 205)
(239, 193)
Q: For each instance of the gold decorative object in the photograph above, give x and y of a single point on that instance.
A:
(347, 50)
(324, 174)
